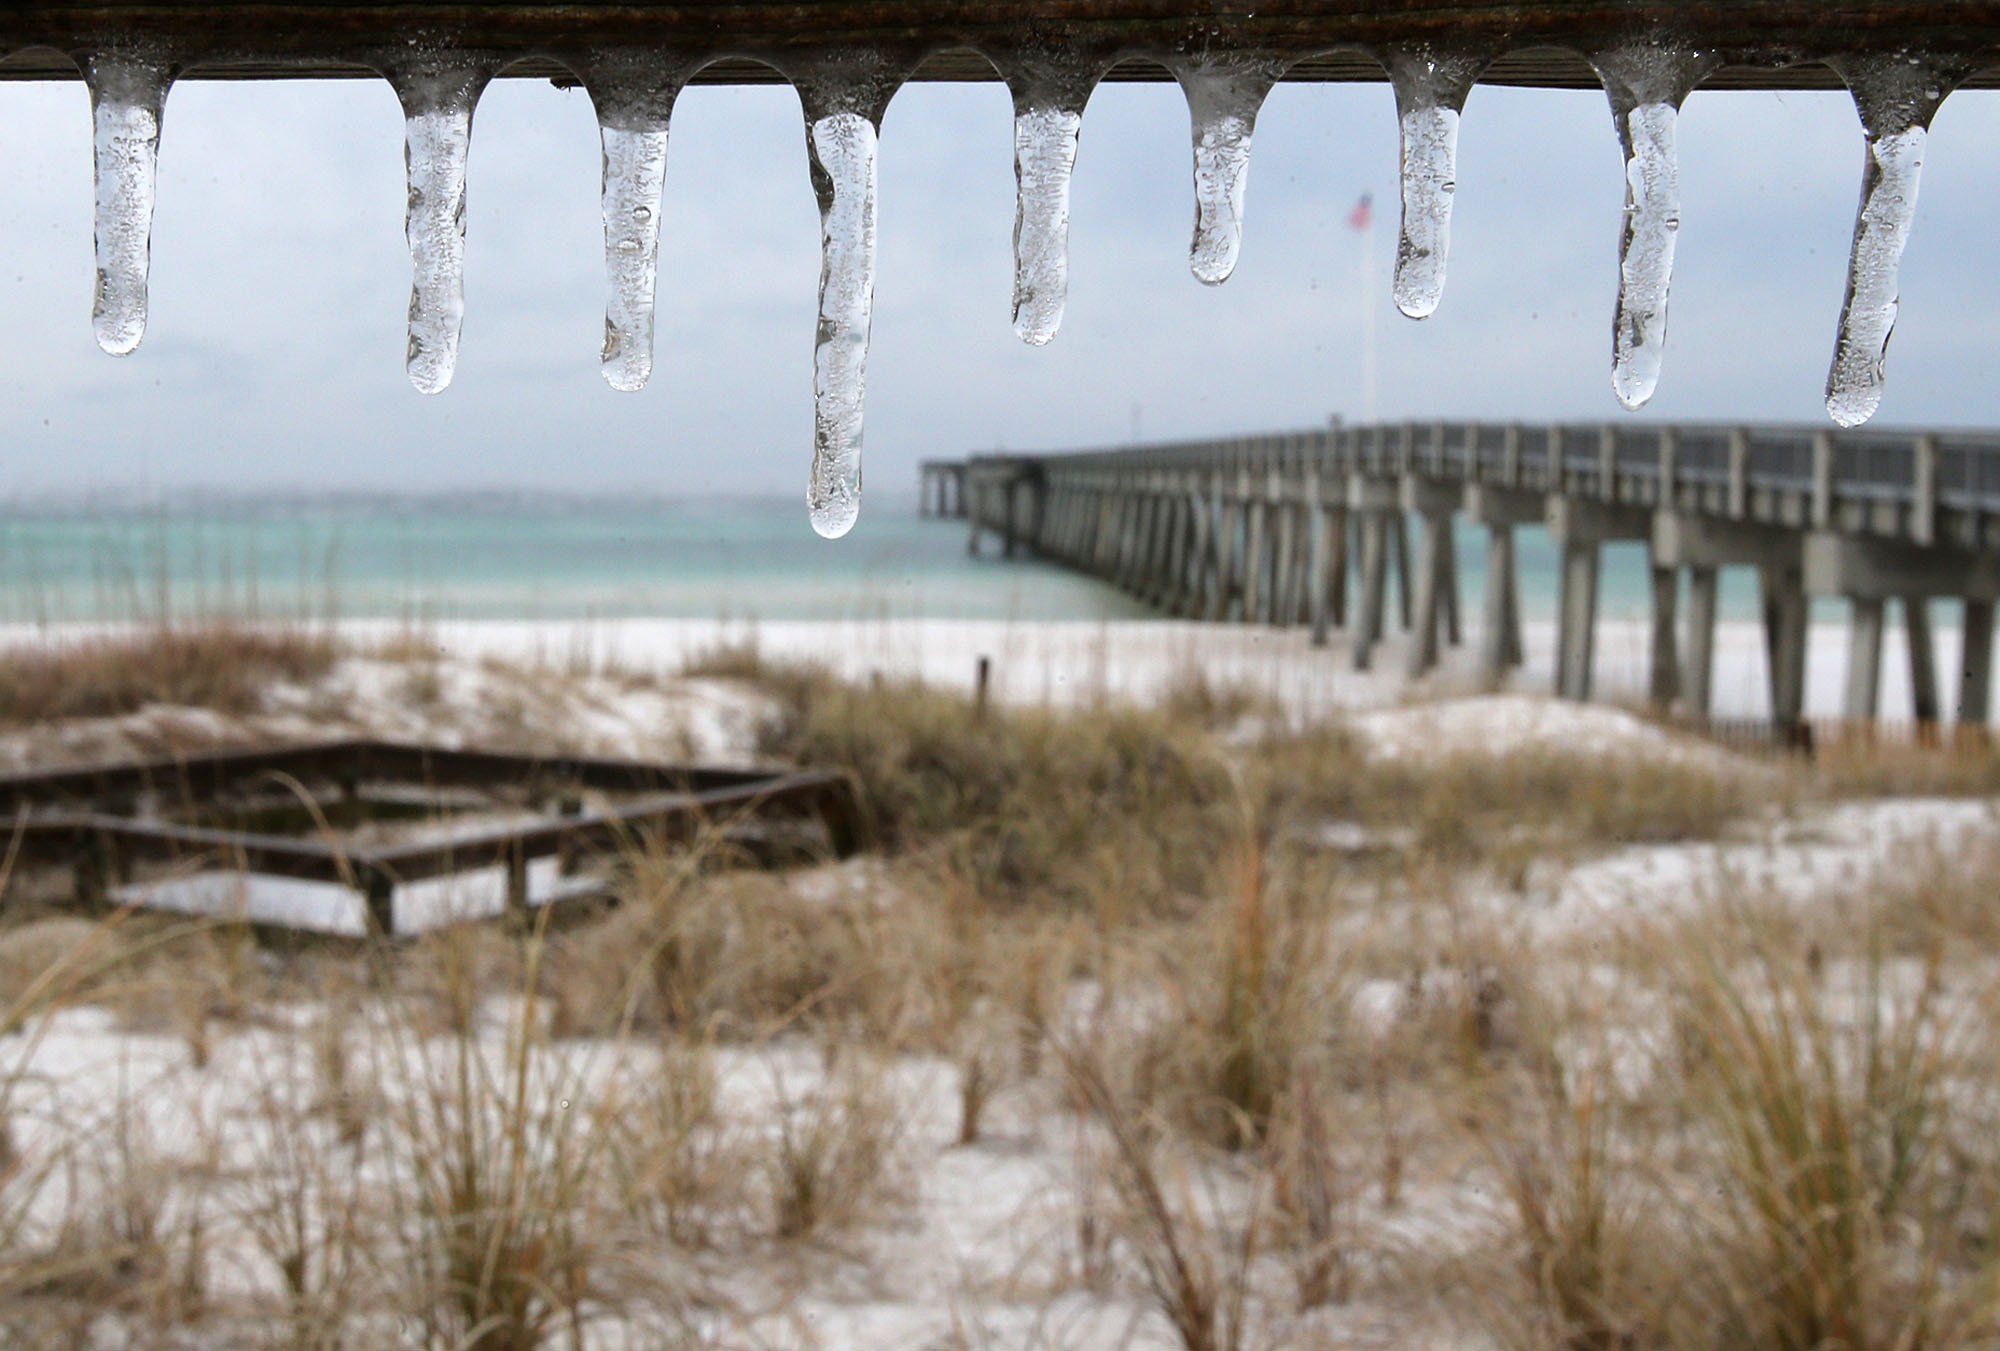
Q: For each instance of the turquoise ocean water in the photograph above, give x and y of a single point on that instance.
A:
(510, 556)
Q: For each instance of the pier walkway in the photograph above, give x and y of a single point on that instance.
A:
(1279, 529)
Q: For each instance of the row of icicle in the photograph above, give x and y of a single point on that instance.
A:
(1896, 97)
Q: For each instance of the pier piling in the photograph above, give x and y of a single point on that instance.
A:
(1268, 529)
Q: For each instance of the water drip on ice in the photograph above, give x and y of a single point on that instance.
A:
(1430, 92)
(1646, 86)
(635, 171)
(127, 97)
(1896, 97)
(1045, 140)
(1223, 97)
(437, 111)
(842, 146)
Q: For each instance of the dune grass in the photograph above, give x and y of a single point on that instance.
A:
(1269, 1090)
(216, 664)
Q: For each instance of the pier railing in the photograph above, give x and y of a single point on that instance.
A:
(1268, 528)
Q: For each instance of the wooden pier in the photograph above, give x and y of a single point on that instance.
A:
(1304, 528)
(941, 488)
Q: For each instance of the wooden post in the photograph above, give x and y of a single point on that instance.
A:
(1430, 581)
(378, 894)
(1339, 538)
(1284, 600)
(1698, 673)
(1399, 532)
(1500, 639)
(1664, 686)
(1254, 564)
(1739, 472)
(1454, 630)
(517, 878)
(1576, 640)
(1923, 661)
(1924, 490)
(1201, 545)
(1975, 686)
(1864, 660)
(1822, 481)
(1785, 643)
(1374, 549)
(1317, 566)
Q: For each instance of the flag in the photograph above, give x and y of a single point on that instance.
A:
(1363, 215)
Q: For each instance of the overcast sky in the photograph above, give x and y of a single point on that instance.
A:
(280, 279)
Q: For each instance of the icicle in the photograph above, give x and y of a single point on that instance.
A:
(635, 171)
(1896, 97)
(1223, 97)
(842, 145)
(437, 111)
(1045, 139)
(1646, 85)
(127, 97)
(1431, 89)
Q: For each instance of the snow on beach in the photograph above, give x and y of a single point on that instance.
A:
(982, 1242)
(982, 1246)
(1070, 662)
(1065, 662)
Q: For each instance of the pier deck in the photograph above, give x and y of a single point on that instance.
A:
(1278, 529)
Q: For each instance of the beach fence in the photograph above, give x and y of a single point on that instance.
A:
(263, 835)
(1305, 529)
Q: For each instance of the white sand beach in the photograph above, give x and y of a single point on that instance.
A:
(1066, 662)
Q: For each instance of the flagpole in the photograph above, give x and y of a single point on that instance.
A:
(1368, 317)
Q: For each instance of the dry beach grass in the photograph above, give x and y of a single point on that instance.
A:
(1176, 1026)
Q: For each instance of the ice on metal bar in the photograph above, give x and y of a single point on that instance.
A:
(635, 170)
(1868, 310)
(843, 148)
(1896, 97)
(437, 138)
(1430, 177)
(1646, 83)
(1045, 142)
(1430, 91)
(1223, 100)
(1652, 223)
(128, 96)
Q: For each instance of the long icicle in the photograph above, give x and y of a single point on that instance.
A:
(128, 96)
(842, 146)
(635, 172)
(1646, 85)
(1896, 97)
(1045, 141)
(1224, 95)
(1431, 89)
(437, 137)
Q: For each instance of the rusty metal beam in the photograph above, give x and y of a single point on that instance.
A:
(1763, 43)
